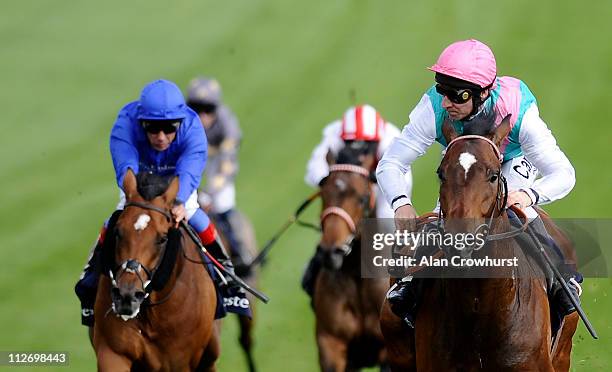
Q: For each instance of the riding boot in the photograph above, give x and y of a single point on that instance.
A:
(217, 250)
(560, 299)
(402, 298)
(310, 275)
(87, 285)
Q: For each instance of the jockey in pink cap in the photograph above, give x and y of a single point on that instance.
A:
(468, 89)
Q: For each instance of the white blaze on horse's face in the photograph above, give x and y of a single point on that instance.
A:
(142, 222)
(341, 184)
(466, 160)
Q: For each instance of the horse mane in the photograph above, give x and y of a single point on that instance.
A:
(151, 185)
(168, 260)
(482, 124)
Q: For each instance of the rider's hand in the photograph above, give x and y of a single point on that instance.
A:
(519, 198)
(179, 213)
(405, 218)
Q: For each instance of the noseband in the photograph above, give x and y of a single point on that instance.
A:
(340, 212)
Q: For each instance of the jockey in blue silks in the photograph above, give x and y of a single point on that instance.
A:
(160, 134)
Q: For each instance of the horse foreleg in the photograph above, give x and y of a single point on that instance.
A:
(399, 341)
(332, 353)
(110, 361)
(211, 352)
(246, 340)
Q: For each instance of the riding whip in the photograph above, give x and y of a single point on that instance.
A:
(202, 252)
(293, 218)
(559, 277)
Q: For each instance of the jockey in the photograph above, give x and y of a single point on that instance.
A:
(158, 134)
(359, 124)
(223, 134)
(467, 86)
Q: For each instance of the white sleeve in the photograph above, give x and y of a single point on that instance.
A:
(540, 148)
(317, 167)
(393, 172)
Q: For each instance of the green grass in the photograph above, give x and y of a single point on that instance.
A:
(287, 69)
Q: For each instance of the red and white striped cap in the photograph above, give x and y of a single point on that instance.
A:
(362, 123)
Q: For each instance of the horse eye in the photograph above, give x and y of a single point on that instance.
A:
(493, 178)
(162, 240)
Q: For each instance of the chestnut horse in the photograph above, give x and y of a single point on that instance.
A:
(501, 322)
(156, 308)
(346, 305)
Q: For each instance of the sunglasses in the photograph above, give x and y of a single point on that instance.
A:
(154, 127)
(207, 108)
(454, 95)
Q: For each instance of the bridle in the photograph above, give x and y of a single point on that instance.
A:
(500, 203)
(501, 197)
(343, 214)
(133, 265)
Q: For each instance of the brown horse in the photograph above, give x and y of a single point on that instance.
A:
(346, 305)
(156, 307)
(501, 322)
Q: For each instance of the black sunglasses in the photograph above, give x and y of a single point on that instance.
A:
(458, 96)
(166, 126)
(207, 108)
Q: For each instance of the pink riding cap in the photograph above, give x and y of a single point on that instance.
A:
(469, 60)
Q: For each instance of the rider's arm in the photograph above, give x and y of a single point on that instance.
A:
(393, 171)
(192, 158)
(123, 146)
(540, 148)
(317, 167)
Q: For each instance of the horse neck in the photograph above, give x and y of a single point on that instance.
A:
(167, 294)
(508, 287)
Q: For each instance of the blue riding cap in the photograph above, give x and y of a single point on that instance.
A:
(161, 100)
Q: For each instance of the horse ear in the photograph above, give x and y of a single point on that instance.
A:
(129, 184)
(448, 131)
(331, 159)
(170, 193)
(502, 131)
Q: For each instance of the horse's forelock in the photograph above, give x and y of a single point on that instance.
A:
(151, 185)
(481, 125)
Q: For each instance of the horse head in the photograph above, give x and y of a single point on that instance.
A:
(146, 242)
(472, 187)
(346, 198)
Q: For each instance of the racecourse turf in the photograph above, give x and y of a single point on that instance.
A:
(287, 69)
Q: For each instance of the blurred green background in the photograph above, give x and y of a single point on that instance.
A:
(287, 69)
